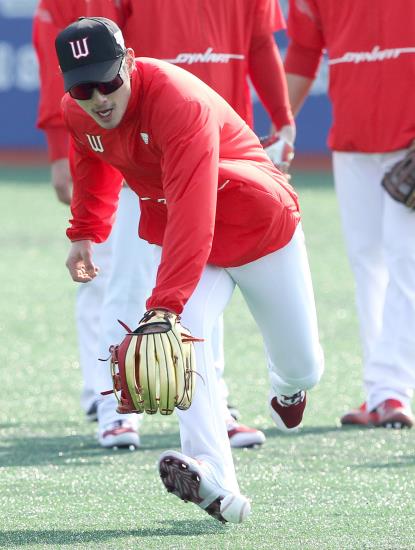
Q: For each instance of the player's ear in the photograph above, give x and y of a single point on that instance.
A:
(130, 60)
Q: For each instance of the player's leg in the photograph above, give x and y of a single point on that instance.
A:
(217, 340)
(361, 202)
(203, 472)
(279, 293)
(239, 434)
(202, 427)
(130, 283)
(89, 301)
(219, 361)
(360, 197)
(392, 361)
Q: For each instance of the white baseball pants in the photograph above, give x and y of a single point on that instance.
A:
(88, 307)
(131, 278)
(278, 291)
(380, 240)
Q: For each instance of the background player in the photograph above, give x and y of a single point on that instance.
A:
(50, 17)
(371, 53)
(210, 185)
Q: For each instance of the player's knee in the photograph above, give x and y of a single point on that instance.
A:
(303, 372)
(315, 369)
(309, 370)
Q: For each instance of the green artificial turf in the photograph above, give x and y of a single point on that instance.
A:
(322, 488)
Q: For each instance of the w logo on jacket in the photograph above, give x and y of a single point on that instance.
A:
(80, 49)
(95, 143)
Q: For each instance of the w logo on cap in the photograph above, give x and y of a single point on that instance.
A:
(79, 49)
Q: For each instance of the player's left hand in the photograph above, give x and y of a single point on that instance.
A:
(79, 262)
(279, 146)
(154, 367)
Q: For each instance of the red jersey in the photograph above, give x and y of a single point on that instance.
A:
(209, 193)
(371, 51)
(222, 43)
(50, 18)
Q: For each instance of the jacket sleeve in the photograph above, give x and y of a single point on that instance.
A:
(268, 77)
(190, 159)
(49, 119)
(307, 41)
(264, 63)
(96, 186)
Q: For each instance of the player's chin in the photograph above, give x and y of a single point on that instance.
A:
(108, 123)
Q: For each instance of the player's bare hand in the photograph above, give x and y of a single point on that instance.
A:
(61, 180)
(80, 264)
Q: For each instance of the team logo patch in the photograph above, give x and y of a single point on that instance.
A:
(79, 49)
(144, 137)
(95, 143)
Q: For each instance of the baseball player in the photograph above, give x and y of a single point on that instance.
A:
(220, 214)
(371, 52)
(226, 43)
(223, 58)
(50, 17)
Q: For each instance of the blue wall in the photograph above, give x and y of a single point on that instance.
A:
(19, 88)
(18, 77)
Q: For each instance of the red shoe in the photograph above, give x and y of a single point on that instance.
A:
(242, 436)
(287, 410)
(392, 414)
(360, 417)
(119, 434)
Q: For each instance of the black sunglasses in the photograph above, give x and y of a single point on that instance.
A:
(85, 91)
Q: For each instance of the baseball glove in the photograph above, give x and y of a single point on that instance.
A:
(154, 368)
(399, 182)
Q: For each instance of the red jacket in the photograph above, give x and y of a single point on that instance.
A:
(371, 51)
(50, 18)
(209, 192)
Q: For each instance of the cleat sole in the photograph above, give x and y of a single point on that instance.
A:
(179, 480)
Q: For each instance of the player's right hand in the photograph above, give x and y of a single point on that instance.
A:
(79, 262)
(62, 180)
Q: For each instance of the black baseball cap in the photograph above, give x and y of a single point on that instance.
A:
(90, 50)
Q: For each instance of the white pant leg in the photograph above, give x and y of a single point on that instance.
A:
(89, 301)
(392, 363)
(202, 428)
(217, 340)
(279, 294)
(379, 235)
(357, 180)
(130, 282)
